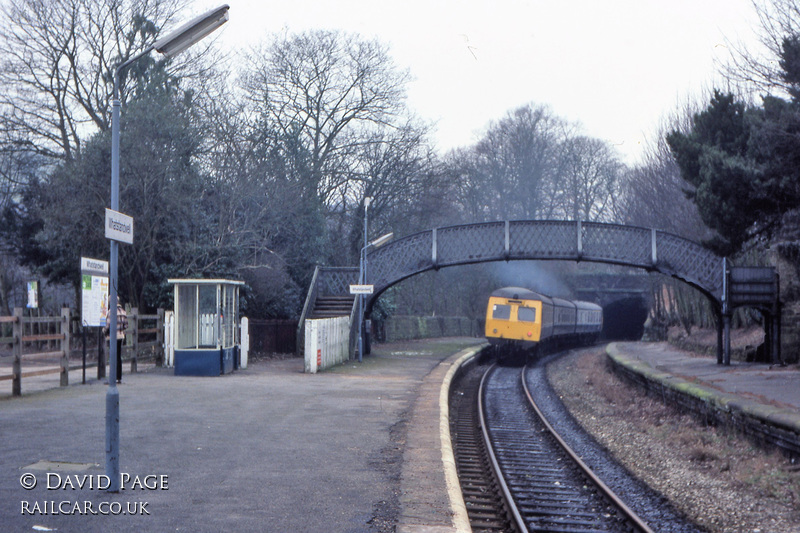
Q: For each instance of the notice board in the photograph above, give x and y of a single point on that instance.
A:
(94, 292)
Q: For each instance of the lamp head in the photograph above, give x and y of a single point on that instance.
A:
(383, 239)
(192, 32)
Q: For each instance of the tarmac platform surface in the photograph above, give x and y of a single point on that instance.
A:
(267, 448)
(270, 448)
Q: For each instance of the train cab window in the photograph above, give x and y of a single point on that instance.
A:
(526, 314)
(501, 312)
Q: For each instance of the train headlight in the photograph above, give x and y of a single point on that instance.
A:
(494, 330)
(530, 334)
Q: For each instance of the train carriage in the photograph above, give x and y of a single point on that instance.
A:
(523, 318)
(564, 317)
(589, 318)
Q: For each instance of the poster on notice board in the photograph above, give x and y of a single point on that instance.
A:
(33, 295)
(94, 292)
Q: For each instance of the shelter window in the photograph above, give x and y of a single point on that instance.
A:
(527, 314)
(501, 312)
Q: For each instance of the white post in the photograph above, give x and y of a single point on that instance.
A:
(244, 333)
(311, 346)
(169, 338)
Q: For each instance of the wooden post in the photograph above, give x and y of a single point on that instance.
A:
(719, 338)
(775, 355)
(65, 342)
(160, 338)
(16, 328)
(726, 334)
(726, 315)
(775, 334)
(133, 333)
(768, 322)
(101, 351)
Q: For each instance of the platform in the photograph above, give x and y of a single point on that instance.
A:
(268, 448)
(358, 448)
(759, 399)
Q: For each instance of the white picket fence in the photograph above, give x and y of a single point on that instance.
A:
(208, 325)
(326, 343)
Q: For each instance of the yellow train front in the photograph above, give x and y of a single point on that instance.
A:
(521, 318)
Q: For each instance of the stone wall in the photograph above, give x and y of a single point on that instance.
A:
(784, 255)
(400, 328)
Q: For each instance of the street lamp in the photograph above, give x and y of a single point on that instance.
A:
(380, 241)
(172, 44)
(362, 277)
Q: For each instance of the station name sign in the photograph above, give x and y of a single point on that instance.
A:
(361, 289)
(94, 266)
(119, 227)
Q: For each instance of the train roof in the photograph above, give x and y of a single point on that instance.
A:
(561, 302)
(521, 293)
(591, 306)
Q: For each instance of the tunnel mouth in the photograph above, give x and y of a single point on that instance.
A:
(624, 319)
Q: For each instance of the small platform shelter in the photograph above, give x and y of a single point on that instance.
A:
(207, 341)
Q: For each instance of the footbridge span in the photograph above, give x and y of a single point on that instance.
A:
(650, 249)
(645, 248)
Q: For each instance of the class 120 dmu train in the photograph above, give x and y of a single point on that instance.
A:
(521, 319)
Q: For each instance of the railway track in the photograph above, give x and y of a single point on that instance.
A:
(542, 486)
(482, 494)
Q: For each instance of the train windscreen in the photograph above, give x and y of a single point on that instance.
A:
(526, 314)
(501, 312)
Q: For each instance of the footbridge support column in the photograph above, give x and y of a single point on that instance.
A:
(726, 349)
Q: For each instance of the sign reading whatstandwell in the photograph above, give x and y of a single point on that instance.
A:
(119, 227)
(94, 292)
(361, 289)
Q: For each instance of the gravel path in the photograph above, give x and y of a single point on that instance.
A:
(720, 481)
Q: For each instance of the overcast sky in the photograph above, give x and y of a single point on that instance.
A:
(616, 66)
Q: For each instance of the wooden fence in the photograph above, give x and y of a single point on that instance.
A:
(45, 339)
(272, 336)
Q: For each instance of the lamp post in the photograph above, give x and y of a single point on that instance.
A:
(174, 43)
(380, 241)
(362, 278)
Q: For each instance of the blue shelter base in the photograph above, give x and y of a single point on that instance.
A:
(212, 362)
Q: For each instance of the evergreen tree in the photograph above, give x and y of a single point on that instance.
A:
(160, 187)
(714, 160)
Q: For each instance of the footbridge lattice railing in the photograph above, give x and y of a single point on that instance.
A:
(650, 249)
(646, 248)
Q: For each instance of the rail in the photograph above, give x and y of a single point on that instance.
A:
(513, 510)
(630, 515)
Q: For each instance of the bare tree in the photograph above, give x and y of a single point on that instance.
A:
(533, 164)
(399, 171)
(56, 69)
(324, 88)
(753, 71)
(506, 173)
(654, 194)
(588, 182)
